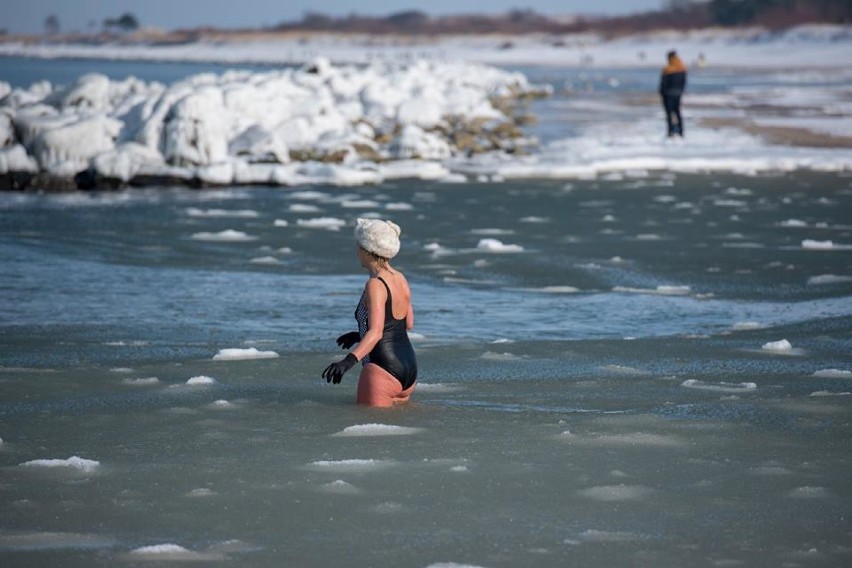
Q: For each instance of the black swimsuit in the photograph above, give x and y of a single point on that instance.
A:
(393, 352)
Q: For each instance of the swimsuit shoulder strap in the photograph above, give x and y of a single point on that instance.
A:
(389, 300)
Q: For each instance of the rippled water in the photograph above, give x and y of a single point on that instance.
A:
(601, 393)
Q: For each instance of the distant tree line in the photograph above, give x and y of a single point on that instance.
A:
(125, 23)
(683, 14)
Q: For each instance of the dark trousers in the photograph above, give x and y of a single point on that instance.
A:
(671, 104)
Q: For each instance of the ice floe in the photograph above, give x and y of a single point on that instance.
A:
(237, 354)
(616, 493)
(368, 430)
(350, 465)
(720, 386)
(74, 462)
(782, 345)
(141, 382)
(833, 374)
(226, 236)
(828, 279)
(497, 246)
(201, 380)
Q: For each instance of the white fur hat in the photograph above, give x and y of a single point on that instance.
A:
(378, 237)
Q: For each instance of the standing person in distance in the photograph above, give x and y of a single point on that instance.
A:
(672, 85)
(384, 315)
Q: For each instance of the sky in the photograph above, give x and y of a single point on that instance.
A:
(28, 16)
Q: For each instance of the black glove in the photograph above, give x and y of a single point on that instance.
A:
(349, 339)
(334, 372)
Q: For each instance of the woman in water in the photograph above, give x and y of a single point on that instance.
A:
(384, 316)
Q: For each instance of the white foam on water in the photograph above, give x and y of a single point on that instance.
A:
(350, 465)
(226, 236)
(833, 374)
(372, 429)
(719, 387)
(141, 382)
(828, 279)
(74, 462)
(781, 345)
(616, 493)
(224, 213)
(201, 380)
(237, 354)
(327, 223)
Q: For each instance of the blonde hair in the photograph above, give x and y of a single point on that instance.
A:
(381, 261)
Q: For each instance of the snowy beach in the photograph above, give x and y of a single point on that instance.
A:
(349, 112)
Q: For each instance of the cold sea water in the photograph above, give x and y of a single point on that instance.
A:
(650, 369)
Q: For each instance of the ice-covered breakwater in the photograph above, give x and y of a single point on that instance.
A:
(344, 125)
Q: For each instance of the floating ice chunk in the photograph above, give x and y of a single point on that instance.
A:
(240, 354)
(828, 279)
(201, 492)
(534, 219)
(74, 462)
(719, 387)
(615, 493)
(340, 487)
(221, 404)
(303, 208)
(595, 535)
(359, 204)
(747, 325)
(781, 345)
(201, 380)
(808, 492)
(809, 244)
(367, 430)
(352, 465)
(793, 223)
(169, 551)
(497, 246)
(228, 236)
(452, 565)
(632, 439)
(328, 223)
(281, 223)
(662, 290)
(143, 382)
(234, 213)
(398, 206)
(265, 260)
(492, 356)
(833, 374)
(820, 394)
